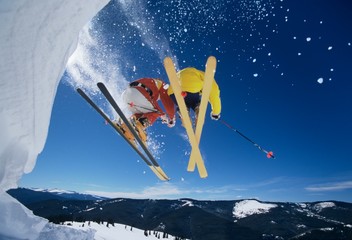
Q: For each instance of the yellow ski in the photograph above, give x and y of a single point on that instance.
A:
(207, 86)
(174, 81)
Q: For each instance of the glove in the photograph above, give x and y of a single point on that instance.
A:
(164, 119)
(215, 116)
(171, 122)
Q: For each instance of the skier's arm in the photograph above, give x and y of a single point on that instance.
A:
(167, 102)
(214, 99)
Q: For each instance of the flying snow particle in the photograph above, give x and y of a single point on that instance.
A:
(255, 74)
(299, 54)
(320, 80)
(331, 69)
(254, 60)
(308, 39)
(329, 48)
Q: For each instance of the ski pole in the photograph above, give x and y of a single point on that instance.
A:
(131, 104)
(269, 154)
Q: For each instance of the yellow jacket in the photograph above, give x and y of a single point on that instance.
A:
(191, 80)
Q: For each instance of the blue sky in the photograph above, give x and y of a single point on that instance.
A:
(284, 74)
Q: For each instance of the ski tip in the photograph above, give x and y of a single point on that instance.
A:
(211, 62)
(167, 60)
(270, 155)
(212, 58)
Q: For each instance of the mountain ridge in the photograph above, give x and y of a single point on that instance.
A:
(206, 220)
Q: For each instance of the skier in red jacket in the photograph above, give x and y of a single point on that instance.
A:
(142, 98)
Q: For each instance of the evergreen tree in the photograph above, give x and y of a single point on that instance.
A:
(111, 222)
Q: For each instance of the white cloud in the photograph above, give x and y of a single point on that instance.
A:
(330, 187)
(161, 190)
(167, 190)
(171, 191)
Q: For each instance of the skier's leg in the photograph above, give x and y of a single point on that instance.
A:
(172, 96)
(141, 108)
(192, 101)
(136, 101)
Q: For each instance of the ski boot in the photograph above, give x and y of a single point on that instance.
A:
(125, 131)
(140, 125)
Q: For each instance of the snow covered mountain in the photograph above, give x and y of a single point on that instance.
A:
(192, 219)
(37, 38)
(70, 194)
(27, 196)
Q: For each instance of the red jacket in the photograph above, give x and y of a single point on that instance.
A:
(155, 89)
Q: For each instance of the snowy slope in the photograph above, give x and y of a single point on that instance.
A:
(118, 231)
(37, 38)
(246, 208)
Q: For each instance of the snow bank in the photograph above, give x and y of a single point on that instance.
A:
(17, 221)
(36, 40)
(249, 207)
(58, 232)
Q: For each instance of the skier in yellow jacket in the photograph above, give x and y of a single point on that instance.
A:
(191, 81)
